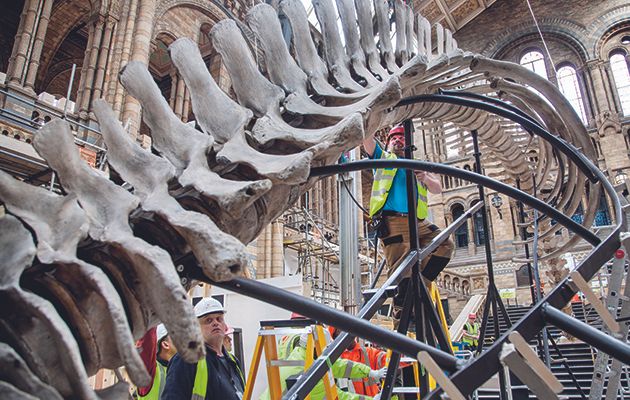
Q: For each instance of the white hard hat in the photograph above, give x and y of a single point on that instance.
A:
(208, 305)
(161, 332)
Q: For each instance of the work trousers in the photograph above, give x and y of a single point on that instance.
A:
(396, 245)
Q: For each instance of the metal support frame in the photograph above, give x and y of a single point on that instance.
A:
(493, 300)
(466, 378)
(307, 382)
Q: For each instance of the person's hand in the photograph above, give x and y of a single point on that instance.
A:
(378, 374)
(420, 175)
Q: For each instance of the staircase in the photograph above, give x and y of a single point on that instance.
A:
(580, 356)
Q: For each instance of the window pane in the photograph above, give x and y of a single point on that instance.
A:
(567, 79)
(619, 68)
(534, 61)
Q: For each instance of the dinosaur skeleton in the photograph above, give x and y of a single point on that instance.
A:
(87, 272)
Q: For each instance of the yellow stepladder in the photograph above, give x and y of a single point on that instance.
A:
(266, 342)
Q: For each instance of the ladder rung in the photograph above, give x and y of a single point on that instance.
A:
(407, 389)
(286, 363)
(284, 331)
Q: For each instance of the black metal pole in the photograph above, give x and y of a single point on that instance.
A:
(544, 334)
(523, 231)
(596, 338)
(530, 277)
(491, 286)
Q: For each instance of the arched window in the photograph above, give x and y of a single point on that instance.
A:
(568, 81)
(620, 72)
(461, 234)
(522, 276)
(535, 61)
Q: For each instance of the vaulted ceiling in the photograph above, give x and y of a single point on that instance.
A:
(452, 14)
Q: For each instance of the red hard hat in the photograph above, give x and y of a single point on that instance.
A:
(397, 130)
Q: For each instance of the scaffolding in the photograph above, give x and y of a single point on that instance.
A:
(316, 242)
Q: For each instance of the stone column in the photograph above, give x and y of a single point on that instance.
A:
(89, 69)
(101, 65)
(171, 100)
(186, 108)
(19, 56)
(122, 50)
(277, 249)
(38, 44)
(179, 97)
(143, 34)
(600, 87)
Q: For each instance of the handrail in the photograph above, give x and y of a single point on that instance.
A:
(55, 113)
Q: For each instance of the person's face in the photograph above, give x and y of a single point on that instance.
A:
(396, 145)
(213, 327)
(471, 319)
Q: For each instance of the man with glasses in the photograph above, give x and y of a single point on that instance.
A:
(218, 376)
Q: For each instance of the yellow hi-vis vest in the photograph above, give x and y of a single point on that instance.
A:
(471, 329)
(200, 387)
(383, 180)
(158, 383)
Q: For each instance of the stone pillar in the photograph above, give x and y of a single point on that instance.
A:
(171, 100)
(38, 45)
(277, 249)
(101, 65)
(179, 97)
(19, 55)
(122, 49)
(600, 87)
(143, 34)
(88, 71)
(186, 108)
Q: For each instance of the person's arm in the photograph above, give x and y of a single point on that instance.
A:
(179, 380)
(147, 346)
(431, 181)
(369, 145)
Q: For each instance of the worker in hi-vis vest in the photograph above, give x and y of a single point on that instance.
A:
(388, 210)
(374, 358)
(470, 336)
(341, 369)
(217, 376)
(156, 350)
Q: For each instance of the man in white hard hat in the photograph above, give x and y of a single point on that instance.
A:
(156, 350)
(218, 376)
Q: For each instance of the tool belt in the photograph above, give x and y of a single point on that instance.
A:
(379, 225)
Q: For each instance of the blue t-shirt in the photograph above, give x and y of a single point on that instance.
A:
(397, 196)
